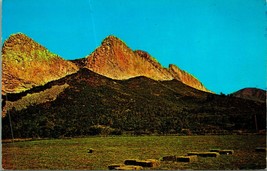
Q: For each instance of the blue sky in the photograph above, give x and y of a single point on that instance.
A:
(221, 42)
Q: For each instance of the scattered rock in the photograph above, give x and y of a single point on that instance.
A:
(90, 150)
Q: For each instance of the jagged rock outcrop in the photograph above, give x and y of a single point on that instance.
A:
(186, 78)
(116, 60)
(25, 64)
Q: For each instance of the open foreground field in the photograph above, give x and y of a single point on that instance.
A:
(70, 154)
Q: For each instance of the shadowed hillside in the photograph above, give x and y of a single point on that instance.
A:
(89, 104)
(254, 94)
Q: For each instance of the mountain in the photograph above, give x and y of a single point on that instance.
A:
(115, 89)
(116, 60)
(254, 94)
(26, 64)
(81, 103)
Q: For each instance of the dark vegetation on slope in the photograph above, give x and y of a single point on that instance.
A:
(94, 104)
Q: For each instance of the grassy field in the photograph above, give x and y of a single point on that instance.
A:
(70, 154)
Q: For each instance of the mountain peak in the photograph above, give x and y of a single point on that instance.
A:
(23, 47)
(26, 63)
(250, 93)
(112, 40)
(18, 36)
(21, 39)
(116, 60)
(111, 37)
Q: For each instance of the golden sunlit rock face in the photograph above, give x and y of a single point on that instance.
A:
(186, 78)
(26, 64)
(116, 60)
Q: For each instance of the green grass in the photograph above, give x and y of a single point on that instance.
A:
(70, 154)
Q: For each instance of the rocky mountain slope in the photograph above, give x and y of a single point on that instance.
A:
(254, 94)
(114, 59)
(26, 64)
(186, 78)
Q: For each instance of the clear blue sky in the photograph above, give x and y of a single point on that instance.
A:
(221, 42)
